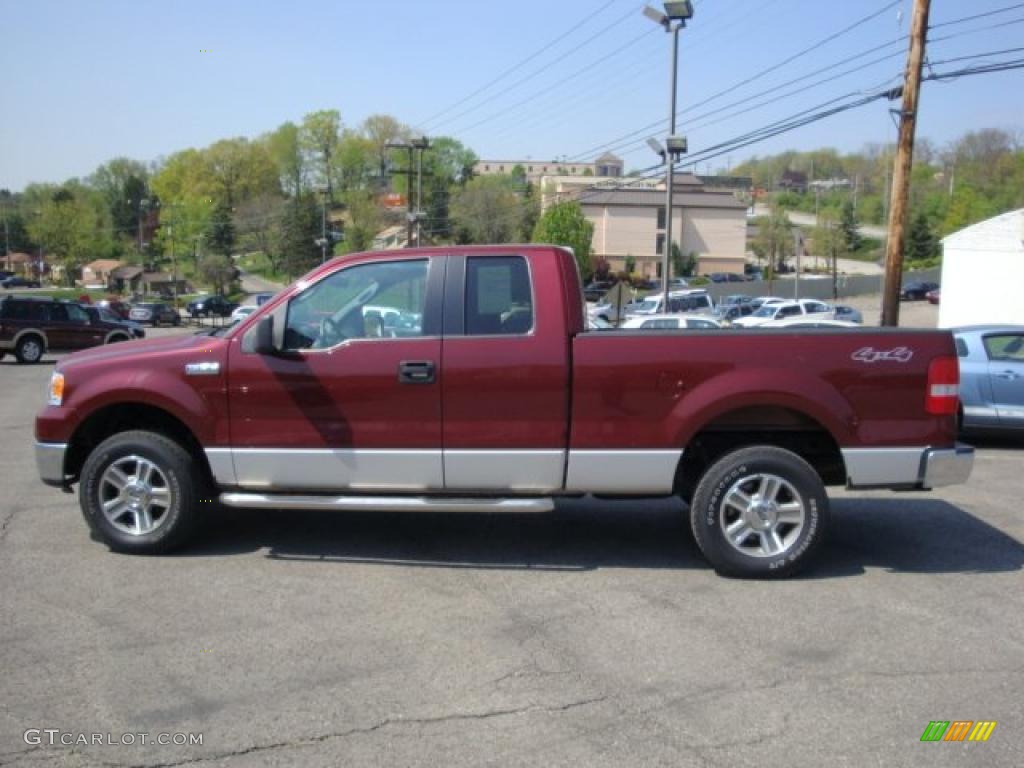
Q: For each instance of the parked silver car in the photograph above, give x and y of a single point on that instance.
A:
(991, 376)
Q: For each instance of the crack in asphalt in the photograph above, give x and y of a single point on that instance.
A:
(7, 521)
(385, 723)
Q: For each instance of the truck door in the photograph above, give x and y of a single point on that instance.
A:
(505, 382)
(1006, 376)
(352, 400)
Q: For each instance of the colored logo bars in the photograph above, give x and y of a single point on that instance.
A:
(958, 730)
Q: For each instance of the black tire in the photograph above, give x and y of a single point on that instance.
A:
(755, 555)
(30, 349)
(118, 337)
(181, 475)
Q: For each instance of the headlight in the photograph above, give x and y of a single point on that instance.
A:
(56, 389)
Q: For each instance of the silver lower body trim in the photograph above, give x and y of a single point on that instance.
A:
(50, 462)
(331, 470)
(522, 471)
(919, 467)
(622, 471)
(383, 503)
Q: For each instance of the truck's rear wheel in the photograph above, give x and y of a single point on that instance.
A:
(759, 512)
(140, 493)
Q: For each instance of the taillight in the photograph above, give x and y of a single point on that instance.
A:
(943, 394)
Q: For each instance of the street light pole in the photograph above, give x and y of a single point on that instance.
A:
(673, 19)
(670, 174)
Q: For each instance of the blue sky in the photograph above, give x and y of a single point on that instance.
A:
(88, 81)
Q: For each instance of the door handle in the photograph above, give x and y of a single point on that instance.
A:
(1010, 375)
(416, 372)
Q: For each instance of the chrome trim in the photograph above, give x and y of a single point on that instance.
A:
(204, 368)
(384, 503)
(622, 471)
(222, 465)
(327, 469)
(882, 467)
(947, 466)
(50, 462)
(537, 471)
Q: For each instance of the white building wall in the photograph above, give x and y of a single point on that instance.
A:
(983, 274)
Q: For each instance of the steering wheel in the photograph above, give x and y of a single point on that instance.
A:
(330, 333)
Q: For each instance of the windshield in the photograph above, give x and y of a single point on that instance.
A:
(768, 311)
(647, 306)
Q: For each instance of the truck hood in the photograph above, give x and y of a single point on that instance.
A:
(134, 352)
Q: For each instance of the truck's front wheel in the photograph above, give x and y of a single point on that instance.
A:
(759, 512)
(140, 493)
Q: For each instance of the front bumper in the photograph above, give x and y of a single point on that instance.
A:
(50, 462)
(946, 466)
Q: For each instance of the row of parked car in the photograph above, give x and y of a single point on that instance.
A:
(31, 325)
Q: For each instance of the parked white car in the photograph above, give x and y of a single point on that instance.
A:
(663, 322)
(784, 310)
(243, 312)
(695, 300)
(809, 321)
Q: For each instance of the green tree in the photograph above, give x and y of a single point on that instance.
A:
(71, 230)
(380, 130)
(319, 137)
(564, 224)
(850, 227)
(285, 148)
(487, 210)
(828, 241)
(922, 245)
(300, 227)
(241, 170)
(220, 233)
(258, 224)
(774, 240)
(123, 183)
(217, 271)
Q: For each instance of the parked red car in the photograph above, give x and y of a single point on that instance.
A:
(455, 379)
(934, 296)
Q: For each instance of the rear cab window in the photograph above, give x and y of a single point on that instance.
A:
(1005, 347)
(499, 296)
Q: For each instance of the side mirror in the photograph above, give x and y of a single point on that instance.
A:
(265, 337)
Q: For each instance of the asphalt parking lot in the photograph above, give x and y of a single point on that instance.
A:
(593, 636)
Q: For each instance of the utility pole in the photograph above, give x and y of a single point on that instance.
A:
(413, 212)
(798, 247)
(902, 164)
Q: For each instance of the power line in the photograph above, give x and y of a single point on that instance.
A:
(534, 73)
(520, 65)
(746, 81)
(977, 16)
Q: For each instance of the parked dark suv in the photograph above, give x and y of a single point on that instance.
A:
(30, 326)
(206, 306)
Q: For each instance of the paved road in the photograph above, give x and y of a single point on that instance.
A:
(808, 220)
(594, 636)
(255, 284)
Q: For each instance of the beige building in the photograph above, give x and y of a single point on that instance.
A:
(629, 220)
(606, 165)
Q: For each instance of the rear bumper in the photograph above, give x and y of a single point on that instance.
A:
(50, 462)
(946, 466)
(908, 468)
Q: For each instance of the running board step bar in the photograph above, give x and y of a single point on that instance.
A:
(384, 503)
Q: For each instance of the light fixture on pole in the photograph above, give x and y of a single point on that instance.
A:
(674, 18)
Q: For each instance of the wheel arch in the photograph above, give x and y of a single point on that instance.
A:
(783, 425)
(115, 418)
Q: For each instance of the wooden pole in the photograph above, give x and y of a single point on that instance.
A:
(902, 164)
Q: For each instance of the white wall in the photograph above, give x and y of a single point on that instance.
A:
(981, 287)
(983, 273)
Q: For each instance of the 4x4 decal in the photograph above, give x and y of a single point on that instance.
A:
(872, 355)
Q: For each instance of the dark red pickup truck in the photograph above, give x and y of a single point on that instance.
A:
(456, 379)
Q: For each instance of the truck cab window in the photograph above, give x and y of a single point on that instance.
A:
(383, 300)
(498, 296)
